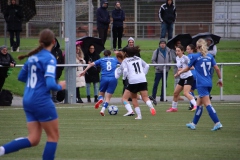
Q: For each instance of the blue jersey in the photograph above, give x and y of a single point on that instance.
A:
(37, 68)
(108, 66)
(202, 67)
(192, 70)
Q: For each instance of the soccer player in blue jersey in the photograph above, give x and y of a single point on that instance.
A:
(108, 82)
(39, 75)
(202, 62)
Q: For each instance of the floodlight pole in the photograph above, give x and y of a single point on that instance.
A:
(70, 50)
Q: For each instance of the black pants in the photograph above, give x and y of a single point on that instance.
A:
(102, 34)
(117, 35)
(77, 93)
(2, 81)
(17, 33)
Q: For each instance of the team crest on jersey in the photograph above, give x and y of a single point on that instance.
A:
(52, 61)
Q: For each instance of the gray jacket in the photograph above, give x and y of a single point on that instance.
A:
(158, 58)
(174, 55)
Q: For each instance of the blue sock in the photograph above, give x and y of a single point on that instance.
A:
(16, 144)
(212, 113)
(49, 151)
(100, 97)
(198, 114)
(105, 104)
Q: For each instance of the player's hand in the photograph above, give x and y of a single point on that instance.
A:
(82, 74)
(62, 84)
(219, 83)
(176, 75)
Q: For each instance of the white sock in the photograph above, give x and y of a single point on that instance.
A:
(174, 104)
(194, 103)
(2, 151)
(103, 109)
(140, 97)
(138, 111)
(128, 107)
(149, 104)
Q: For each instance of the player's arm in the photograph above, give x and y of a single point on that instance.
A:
(52, 85)
(125, 70)
(85, 70)
(145, 67)
(219, 83)
(23, 75)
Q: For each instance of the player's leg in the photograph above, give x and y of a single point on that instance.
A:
(148, 102)
(186, 92)
(102, 90)
(176, 93)
(126, 95)
(52, 131)
(136, 105)
(34, 135)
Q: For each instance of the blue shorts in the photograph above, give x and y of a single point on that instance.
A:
(41, 114)
(108, 84)
(194, 86)
(204, 91)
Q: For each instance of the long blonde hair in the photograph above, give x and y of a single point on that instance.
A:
(80, 53)
(202, 47)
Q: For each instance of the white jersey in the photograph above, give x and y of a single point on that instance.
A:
(135, 69)
(183, 63)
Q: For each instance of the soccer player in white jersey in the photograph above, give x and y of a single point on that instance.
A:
(135, 69)
(185, 82)
(38, 74)
(202, 62)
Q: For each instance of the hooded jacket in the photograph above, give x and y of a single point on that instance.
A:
(13, 17)
(57, 52)
(103, 17)
(167, 13)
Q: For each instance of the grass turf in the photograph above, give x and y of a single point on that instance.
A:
(85, 135)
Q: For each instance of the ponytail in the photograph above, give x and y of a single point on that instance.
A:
(38, 49)
(202, 47)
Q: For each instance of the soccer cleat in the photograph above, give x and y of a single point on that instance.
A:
(138, 117)
(172, 110)
(153, 111)
(217, 126)
(190, 107)
(153, 100)
(98, 104)
(102, 113)
(191, 126)
(129, 114)
(194, 108)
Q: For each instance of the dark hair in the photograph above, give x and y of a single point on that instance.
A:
(107, 53)
(192, 47)
(181, 48)
(46, 37)
(132, 51)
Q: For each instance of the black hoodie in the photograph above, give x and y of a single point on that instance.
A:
(103, 17)
(167, 13)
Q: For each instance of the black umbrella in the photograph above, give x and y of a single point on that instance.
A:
(28, 8)
(87, 41)
(185, 40)
(205, 35)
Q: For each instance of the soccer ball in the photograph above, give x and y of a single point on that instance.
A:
(112, 110)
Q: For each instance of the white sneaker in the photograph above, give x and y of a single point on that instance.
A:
(18, 49)
(138, 117)
(129, 114)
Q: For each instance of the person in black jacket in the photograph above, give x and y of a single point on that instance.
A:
(57, 52)
(6, 61)
(103, 20)
(13, 17)
(118, 16)
(92, 75)
(167, 16)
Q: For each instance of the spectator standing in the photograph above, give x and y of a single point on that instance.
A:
(7, 61)
(13, 16)
(167, 17)
(103, 20)
(80, 81)
(92, 74)
(162, 55)
(57, 53)
(118, 16)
